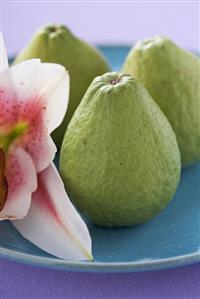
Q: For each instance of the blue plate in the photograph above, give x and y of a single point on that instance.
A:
(169, 240)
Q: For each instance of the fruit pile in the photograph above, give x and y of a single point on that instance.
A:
(126, 133)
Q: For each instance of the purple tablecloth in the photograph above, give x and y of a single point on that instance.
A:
(19, 281)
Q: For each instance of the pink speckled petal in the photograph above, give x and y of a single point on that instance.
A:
(52, 223)
(8, 109)
(45, 83)
(37, 94)
(36, 141)
(22, 181)
(19, 100)
(3, 55)
(39, 144)
(25, 79)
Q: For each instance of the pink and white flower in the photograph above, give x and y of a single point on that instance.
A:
(33, 102)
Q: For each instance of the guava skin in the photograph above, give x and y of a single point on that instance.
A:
(172, 76)
(119, 159)
(55, 43)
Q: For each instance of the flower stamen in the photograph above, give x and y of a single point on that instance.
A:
(3, 180)
(16, 132)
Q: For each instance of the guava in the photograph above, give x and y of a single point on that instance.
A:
(119, 160)
(172, 76)
(55, 43)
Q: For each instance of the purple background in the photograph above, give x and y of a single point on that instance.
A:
(20, 281)
(116, 23)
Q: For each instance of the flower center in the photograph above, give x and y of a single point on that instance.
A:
(6, 139)
(3, 180)
(17, 131)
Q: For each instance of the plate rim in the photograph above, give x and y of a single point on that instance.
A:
(95, 266)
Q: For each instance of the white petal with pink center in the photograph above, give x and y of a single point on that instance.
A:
(47, 84)
(52, 223)
(22, 179)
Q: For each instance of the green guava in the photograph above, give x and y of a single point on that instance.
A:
(55, 43)
(172, 76)
(119, 160)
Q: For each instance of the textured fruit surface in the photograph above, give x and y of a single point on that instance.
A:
(172, 76)
(119, 159)
(55, 43)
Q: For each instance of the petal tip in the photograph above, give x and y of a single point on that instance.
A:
(87, 255)
(3, 54)
(90, 257)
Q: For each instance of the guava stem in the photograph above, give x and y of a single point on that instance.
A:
(115, 81)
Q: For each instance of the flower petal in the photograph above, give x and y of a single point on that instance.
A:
(16, 96)
(46, 82)
(22, 181)
(3, 54)
(55, 93)
(39, 144)
(8, 109)
(52, 223)
(25, 78)
(36, 140)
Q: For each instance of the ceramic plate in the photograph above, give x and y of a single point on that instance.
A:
(169, 240)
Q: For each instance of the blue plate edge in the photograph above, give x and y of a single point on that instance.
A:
(109, 267)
